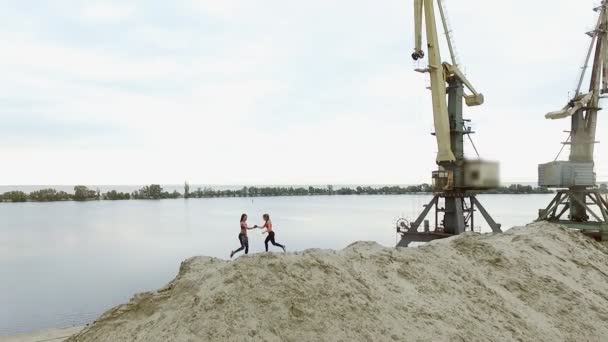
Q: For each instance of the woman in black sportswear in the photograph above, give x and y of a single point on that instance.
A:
(243, 236)
(270, 237)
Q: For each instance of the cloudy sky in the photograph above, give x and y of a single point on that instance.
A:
(272, 92)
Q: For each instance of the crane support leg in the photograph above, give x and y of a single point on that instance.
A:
(457, 219)
(432, 204)
(593, 221)
(493, 225)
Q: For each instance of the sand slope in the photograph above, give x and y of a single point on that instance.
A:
(538, 283)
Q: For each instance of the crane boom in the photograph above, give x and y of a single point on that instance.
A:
(583, 107)
(435, 68)
(440, 72)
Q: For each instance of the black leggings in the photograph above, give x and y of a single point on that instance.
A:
(270, 238)
(244, 243)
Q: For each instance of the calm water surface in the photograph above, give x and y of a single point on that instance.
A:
(65, 263)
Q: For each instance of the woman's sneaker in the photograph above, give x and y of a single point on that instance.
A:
(231, 254)
(284, 251)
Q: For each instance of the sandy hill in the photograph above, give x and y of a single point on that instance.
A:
(540, 283)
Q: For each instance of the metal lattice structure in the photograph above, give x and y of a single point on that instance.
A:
(578, 196)
(458, 179)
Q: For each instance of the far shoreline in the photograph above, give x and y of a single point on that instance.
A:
(47, 335)
(156, 192)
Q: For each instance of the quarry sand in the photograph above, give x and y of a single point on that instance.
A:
(539, 283)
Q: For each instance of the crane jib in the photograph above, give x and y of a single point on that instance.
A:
(424, 10)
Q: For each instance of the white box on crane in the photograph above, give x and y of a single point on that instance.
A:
(481, 174)
(476, 175)
(565, 174)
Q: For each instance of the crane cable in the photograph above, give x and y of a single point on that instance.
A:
(577, 91)
(474, 147)
(589, 51)
(452, 47)
(563, 146)
(448, 32)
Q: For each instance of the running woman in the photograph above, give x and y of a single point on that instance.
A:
(270, 237)
(243, 236)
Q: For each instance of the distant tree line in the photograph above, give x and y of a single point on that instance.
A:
(156, 192)
(81, 193)
(520, 189)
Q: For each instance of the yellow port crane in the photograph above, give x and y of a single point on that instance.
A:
(458, 179)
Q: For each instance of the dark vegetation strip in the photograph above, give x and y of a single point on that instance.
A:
(155, 192)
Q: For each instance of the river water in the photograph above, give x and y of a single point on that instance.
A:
(65, 263)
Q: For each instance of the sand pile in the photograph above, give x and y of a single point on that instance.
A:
(539, 283)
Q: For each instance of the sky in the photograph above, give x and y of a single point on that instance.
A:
(273, 92)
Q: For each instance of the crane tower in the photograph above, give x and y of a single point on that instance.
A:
(458, 179)
(575, 178)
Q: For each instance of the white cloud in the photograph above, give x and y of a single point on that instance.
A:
(223, 9)
(107, 12)
(236, 91)
(82, 63)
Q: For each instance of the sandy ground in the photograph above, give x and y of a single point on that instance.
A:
(51, 335)
(540, 283)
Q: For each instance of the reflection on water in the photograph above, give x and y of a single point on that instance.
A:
(65, 263)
